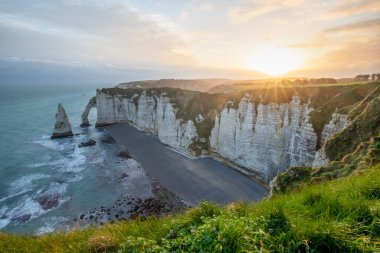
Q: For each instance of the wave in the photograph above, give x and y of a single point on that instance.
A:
(23, 185)
(51, 224)
(52, 163)
(74, 162)
(31, 207)
(46, 141)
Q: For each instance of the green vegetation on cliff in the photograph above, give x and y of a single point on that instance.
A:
(336, 216)
(365, 118)
(355, 148)
(325, 99)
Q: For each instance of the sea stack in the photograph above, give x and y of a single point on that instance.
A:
(62, 127)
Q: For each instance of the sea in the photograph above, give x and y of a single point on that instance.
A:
(35, 168)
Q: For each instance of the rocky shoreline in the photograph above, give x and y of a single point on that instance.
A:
(159, 202)
(128, 207)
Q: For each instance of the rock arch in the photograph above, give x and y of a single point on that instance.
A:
(91, 104)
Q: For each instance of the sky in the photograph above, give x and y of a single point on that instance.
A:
(64, 41)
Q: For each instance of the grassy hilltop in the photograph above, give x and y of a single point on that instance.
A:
(331, 209)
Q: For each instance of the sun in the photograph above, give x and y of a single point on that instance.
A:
(275, 61)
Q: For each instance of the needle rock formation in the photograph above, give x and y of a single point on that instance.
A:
(62, 127)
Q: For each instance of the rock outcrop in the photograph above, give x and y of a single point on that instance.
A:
(261, 138)
(91, 104)
(62, 127)
(336, 124)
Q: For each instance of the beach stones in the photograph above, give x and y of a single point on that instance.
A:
(62, 127)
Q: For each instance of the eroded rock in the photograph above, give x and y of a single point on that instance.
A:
(62, 127)
(48, 201)
(91, 104)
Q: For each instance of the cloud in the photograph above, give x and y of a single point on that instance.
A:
(350, 58)
(91, 33)
(355, 8)
(317, 41)
(255, 8)
(366, 25)
(206, 7)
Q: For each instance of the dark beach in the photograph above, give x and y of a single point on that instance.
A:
(193, 180)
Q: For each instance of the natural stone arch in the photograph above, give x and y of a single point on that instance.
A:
(91, 104)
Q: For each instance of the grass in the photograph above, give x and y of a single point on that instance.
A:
(365, 124)
(365, 155)
(335, 216)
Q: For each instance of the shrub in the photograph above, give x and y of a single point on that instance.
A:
(277, 222)
(205, 210)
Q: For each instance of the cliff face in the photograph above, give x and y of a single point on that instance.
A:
(265, 138)
(262, 138)
(336, 124)
(149, 113)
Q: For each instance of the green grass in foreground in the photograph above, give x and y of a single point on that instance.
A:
(336, 216)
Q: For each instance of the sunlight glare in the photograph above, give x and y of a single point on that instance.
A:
(275, 61)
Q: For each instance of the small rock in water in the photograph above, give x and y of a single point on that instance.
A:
(22, 218)
(88, 143)
(48, 201)
(124, 154)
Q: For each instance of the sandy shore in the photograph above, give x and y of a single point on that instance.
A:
(193, 180)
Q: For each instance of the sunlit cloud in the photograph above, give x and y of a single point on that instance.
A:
(117, 31)
(272, 36)
(371, 25)
(255, 8)
(348, 8)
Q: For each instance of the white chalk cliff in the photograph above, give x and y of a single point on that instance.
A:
(62, 127)
(336, 124)
(262, 138)
(149, 113)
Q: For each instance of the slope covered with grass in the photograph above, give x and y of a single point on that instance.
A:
(357, 147)
(335, 216)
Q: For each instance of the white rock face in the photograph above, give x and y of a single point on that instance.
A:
(263, 138)
(337, 123)
(148, 113)
(62, 127)
(320, 158)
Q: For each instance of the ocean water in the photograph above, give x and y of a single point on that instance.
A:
(33, 166)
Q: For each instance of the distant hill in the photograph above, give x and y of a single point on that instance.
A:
(186, 84)
(227, 86)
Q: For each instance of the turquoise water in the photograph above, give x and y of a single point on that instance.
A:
(33, 166)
